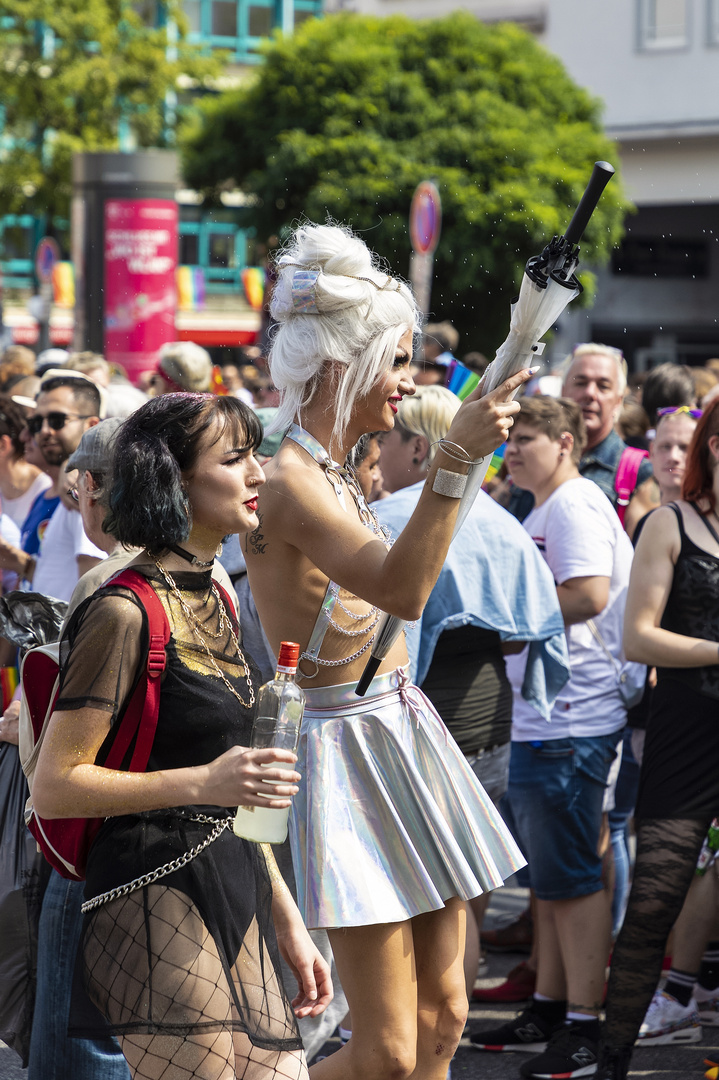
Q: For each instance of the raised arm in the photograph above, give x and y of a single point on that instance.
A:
(298, 509)
(649, 587)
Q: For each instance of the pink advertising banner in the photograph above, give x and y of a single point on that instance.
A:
(140, 289)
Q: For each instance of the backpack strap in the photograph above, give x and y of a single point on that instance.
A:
(141, 715)
(625, 478)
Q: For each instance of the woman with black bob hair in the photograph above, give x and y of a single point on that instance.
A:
(183, 969)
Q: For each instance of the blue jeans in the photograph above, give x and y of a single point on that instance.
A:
(53, 1055)
(624, 800)
(556, 791)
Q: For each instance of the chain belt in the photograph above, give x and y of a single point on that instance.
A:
(220, 824)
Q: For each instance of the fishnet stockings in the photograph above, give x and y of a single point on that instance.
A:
(667, 854)
(151, 963)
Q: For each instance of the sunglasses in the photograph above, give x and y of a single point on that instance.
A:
(72, 494)
(672, 410)
(55, 421)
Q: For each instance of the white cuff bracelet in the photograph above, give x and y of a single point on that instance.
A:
(448, 483)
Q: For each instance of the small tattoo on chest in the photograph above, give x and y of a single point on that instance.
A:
(257, 542)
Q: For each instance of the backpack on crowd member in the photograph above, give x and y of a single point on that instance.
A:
(65, 842)
(625, 478)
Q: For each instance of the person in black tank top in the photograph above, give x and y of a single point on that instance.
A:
(672, 622)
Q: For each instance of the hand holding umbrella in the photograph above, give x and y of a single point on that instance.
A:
(548, 285)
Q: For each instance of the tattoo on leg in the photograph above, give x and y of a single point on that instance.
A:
(256, 538)
(574, 1006)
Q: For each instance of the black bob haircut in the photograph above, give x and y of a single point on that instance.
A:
(154, 447)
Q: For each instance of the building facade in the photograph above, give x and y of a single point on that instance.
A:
(655, 66)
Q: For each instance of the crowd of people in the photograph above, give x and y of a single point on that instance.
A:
(548, 711)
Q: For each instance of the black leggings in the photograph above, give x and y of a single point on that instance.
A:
(667, 853)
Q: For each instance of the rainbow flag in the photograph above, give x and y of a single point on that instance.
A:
(190, 282)
(253, 281)
(9, 679)
(460, 380)
(495, 465)
(63, 284)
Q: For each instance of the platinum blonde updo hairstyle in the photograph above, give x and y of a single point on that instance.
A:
(351, 311)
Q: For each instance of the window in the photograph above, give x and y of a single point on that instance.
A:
(661, 257)
(713, 22)
(241, 25)
(663, 24)
(212, 241)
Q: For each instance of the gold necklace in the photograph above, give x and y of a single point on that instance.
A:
(225, 626)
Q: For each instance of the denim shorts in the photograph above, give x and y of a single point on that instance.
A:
(556, 790)
(491, 767)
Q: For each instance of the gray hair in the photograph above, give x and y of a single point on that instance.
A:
(357, 315)
(591, 348)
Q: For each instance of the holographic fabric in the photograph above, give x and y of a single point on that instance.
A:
(304, 283)
(390, 820)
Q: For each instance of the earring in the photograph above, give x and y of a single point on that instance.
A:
(415, 461)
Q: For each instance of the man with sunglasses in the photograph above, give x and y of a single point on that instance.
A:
(67, 405)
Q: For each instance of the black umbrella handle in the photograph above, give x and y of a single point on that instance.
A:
(601, 175)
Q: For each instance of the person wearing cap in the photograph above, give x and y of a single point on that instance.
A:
(67, 405)
(182, 368)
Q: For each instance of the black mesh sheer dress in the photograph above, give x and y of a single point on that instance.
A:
(678, 797)
(185, 969)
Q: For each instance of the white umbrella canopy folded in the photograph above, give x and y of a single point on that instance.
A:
(549, 284)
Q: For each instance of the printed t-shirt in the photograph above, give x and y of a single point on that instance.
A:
(579, 534)
(57, 571)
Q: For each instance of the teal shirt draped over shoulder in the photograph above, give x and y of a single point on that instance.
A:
(495, 578)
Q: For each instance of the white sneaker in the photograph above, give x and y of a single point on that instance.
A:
(668, 1022)
(707, 1002)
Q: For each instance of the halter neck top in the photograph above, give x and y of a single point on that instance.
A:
(337, 474)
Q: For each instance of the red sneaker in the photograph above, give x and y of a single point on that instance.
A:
(518, 986)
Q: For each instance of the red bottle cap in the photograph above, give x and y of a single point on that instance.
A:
(289, 656)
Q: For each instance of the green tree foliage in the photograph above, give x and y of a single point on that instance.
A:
(72, 72)
(347, 116)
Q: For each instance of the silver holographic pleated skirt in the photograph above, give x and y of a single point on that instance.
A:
(390, 821)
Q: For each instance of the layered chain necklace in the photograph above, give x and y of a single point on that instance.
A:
(199, 631)
(335, 474)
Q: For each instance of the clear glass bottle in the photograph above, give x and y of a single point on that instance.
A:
(280, 705)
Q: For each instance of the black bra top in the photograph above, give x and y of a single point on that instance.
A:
(692, 607)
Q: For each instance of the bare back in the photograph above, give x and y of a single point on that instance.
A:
(305, 539)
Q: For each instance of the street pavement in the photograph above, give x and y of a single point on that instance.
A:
(662, 1062)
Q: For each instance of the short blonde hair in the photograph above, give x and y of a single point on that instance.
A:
(429, 412)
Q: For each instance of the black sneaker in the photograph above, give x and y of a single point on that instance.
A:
(569, 1054)
(613, 1064)
(527, 1033)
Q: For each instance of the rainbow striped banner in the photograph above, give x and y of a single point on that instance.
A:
(9, 680)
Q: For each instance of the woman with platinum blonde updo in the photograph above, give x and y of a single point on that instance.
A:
(391, 832)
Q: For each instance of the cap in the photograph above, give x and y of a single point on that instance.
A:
(289, 657)
(97, 445)
(186, 367)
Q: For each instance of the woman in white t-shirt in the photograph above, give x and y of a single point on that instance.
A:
(20, 482)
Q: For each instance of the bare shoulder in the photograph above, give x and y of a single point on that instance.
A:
(660, 535)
